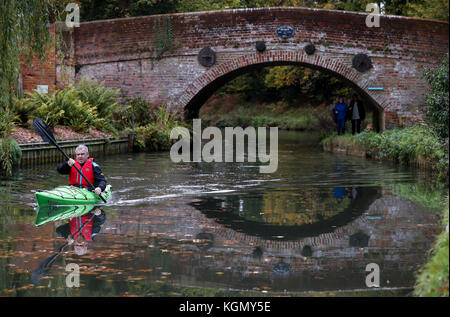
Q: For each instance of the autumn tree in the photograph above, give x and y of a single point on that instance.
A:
(24, 33)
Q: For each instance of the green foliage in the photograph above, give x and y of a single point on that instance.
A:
(155, 135)
(105, 100)
(433, 277)
(281, 114)
(403, 145)
(23, 109)
(7, 144)
(50, 114)
(438, 99)
(430, 9)
(109, 9)
(66, 107)
(429, 196)
(313, 84)
(287, 83)
(10, 154)
(136, 112)
(23, 32)
(162, 36)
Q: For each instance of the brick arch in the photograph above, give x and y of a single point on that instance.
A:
(122, 53)
(337, 228)
(220, 71)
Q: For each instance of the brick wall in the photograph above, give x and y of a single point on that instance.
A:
(121, 53)
(40, 72)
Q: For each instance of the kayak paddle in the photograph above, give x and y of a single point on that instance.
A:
(44, 131)
(45, 265)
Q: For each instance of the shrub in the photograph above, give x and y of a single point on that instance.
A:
(433, 277)
(23, 109)
(51, 115)
(403, 144)
(65, 107)
(10, 152)
(156, 134)
(9, 158)
(105, 100)
(437, 99)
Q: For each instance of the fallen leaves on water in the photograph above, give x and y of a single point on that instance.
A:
(9, 291)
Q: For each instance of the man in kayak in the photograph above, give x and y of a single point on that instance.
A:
(88, 167)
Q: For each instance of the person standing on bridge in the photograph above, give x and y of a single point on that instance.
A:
(340, 112)
(356, 113)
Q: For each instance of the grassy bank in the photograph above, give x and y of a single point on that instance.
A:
(416, 145)
(232, 111)
(410, 146)
(433, 277)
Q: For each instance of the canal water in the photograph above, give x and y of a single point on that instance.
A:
(313, 225)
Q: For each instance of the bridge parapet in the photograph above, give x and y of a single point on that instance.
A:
(125, 54)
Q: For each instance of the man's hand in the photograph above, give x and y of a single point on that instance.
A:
(98, 190)
(70, 241)
(71, 162)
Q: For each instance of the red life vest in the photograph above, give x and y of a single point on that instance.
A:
(88, 170)
(76, 223)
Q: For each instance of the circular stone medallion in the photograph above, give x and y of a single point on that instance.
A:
(207, 56)
(361, 62)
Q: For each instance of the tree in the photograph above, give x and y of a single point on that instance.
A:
(432, 9)
(437, 100)
(23, 31)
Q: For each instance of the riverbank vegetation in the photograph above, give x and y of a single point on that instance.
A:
(417, 145)
(426, 143)
(86, 109)
(433, 278)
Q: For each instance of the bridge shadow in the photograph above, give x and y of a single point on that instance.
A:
(224, 211)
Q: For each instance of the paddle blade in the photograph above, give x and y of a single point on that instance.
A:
(43, 130)
(42, 269)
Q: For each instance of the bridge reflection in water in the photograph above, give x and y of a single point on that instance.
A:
(313, 225)
(212, 245)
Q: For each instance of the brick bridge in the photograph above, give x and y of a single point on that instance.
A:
(130, 54)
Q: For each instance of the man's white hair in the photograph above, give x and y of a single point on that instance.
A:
(82, 147)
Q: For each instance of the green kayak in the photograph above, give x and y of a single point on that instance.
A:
(53, 213)
(70, 195)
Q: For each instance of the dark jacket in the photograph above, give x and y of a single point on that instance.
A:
(361, 110)
(341, 109)
(100, 180)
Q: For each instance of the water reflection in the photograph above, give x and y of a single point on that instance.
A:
(256, 215)
(223, 226)
(83, 224)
